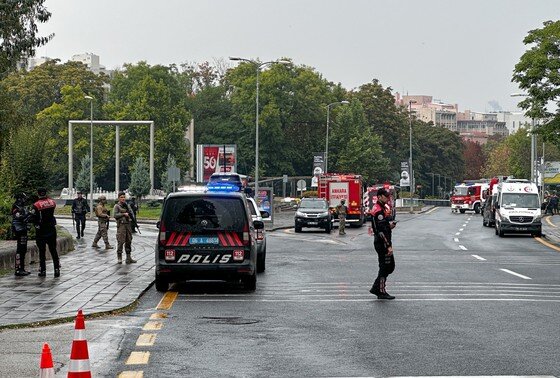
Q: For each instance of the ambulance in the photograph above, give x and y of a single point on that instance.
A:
(518, 208)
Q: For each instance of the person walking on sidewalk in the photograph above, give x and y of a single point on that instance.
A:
(20, 217)
(102, 215)
(79, 209)
(381, 228)
(341, 209)
(45, 226)
(123, 215)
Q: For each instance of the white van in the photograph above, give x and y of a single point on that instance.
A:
(518, 208)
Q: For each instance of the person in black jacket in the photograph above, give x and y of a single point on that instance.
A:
(20, 217)
(79, 209)
(381, 228)
(45, 226)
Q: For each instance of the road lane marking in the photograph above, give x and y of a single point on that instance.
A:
(463, 247)
(138, 358)
(548, 220)
(158, 315)
(431, 210)
(457, 233)
(153, 326)
(465, 225)
(167, 300)
(516, 274)
(478, 257)
(542, 241)
(456, 240)
(461, 229)
(146, 339)
(131, 374)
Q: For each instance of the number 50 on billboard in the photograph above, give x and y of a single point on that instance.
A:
(212, 158)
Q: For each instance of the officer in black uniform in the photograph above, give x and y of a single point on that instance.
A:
(20, 217)
(45, 225)
(79, 208)
(381, 226)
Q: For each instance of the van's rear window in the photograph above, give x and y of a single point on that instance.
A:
(204, 213)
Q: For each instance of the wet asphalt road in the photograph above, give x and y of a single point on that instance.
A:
(468, 303)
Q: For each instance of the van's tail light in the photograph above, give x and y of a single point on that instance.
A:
(162, 233)
(246, 236)
(260, 235)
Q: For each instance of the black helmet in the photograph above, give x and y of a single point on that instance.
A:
(42, 192)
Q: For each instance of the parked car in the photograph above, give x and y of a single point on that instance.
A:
(258, 215)
(313, 212)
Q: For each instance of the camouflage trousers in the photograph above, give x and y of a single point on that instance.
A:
(102, 227)
(124, 238)
(341, 225)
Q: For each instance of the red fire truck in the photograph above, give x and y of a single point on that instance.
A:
(336, 186)
(370, 198)
(468, 197)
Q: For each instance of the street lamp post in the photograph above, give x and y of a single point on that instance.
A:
(258, 66)
(327, 138)
(411, 178)
(90, 153)
(431, 173)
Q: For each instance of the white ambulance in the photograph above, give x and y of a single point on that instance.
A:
(518, 208)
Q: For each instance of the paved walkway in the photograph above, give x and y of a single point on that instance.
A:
(551, 229)
(90, 279)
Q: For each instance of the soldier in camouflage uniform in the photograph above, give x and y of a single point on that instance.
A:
(124, 217)
(102, 215)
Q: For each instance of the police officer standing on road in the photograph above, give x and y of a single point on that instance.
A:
(79, 208)
(381, 226)
(45, 226)
(341, 210)
(20, 217)
(124, 216)
(102, 215)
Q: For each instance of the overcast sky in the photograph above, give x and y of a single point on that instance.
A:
(457, 51)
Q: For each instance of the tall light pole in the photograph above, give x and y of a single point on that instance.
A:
(411, 178)
(327, 138)
(258, 66)
(90, 153)
(533, 139)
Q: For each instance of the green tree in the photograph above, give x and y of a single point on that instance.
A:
(140, 178)
(83, 179)
(166, 184)
(18, 31)
(144, 92)
(24, 164)
(538, 74)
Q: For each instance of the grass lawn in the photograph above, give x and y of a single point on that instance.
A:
(144, 213)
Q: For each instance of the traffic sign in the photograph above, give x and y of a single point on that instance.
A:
(301, 184)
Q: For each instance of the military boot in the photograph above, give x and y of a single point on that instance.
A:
(94, 245)
(108, 246)
(119, 258)
(129, 259)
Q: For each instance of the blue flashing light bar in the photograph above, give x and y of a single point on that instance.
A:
(222, 187)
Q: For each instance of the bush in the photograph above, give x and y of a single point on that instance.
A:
(310, 193)
(153, 203)
(5, 216)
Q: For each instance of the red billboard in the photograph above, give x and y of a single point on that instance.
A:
(213, 158)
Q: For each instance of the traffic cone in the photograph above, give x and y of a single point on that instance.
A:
(47, 367)
(79, 357)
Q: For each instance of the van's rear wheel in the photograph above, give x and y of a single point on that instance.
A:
(161, 284)
(477, 208)
(250, 283)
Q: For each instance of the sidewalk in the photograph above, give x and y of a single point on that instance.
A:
(551, 229)
(90, 279)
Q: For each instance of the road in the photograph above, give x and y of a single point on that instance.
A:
(468, 303)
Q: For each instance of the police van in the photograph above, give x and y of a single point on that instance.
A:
(207, 234)
(518, 208)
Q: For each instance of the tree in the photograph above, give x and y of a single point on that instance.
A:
(83, 179)
(140, 178)
(474, 160)
(166, 184)
(538, 73)
(24, 164)
(18, 31)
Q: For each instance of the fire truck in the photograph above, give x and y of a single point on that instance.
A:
(468, 197)
(370, 198)
(335, 186)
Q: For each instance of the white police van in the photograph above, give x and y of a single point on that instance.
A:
(518, 208)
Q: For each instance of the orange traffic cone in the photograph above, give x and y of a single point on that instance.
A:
(79, 357)
(47, 367)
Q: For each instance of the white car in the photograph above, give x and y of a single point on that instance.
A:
(261, 234)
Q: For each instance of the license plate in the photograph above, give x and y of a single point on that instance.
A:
(312, 223)
(521, 228)
(204, 240)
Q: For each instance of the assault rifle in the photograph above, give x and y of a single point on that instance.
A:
(132, 217)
